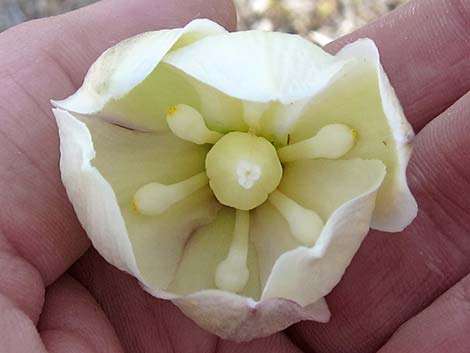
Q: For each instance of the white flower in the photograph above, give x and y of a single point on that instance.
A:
(207, 164)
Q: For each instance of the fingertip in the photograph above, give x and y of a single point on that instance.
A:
(227, 14)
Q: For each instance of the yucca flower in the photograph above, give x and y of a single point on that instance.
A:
(235, 174)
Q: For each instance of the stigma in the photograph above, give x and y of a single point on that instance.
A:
(248, 174)
(243, 169)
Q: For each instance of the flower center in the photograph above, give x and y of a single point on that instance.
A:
(243, 169)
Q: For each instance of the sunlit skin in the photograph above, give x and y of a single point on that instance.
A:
(95, 308)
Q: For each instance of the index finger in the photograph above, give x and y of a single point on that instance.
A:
(424, 48)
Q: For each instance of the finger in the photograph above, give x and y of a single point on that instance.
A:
(142, 323)
(393, 277)
(424, 48)
(72, 321)
(20, 283)
(17, 330)
(47, 59)
(71, 42)
(277, 343)
(442, 327)
(130, 309)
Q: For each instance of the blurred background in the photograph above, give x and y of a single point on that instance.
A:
(319, 20)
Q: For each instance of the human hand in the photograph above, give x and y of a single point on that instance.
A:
(391, 279)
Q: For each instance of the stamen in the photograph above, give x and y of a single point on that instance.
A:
(156, 198)
(187, 123)
(305, 224)
(332, 141)
(232, 274)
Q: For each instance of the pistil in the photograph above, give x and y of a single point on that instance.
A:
(156, 198)
(305, 224)
(332, 141)
(188, 124)
(232, 273)
(243, 169)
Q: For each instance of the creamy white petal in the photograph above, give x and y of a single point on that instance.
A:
(363, 99)
(306, 275)
(203, 253)
(125, 160)
(258, 66)
(91, 195)
(276, 122)
(395, 207)
(159, 241)
(271, 236)
(220, 112)
(241, 319)
(131, 64)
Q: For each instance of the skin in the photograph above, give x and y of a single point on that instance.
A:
(406, 292)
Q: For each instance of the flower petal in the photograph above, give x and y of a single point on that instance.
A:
(203, 253)
(363, 98)
(343, 192)
(133, 64)
(271, 236)
(119, 161)
(220, 112)
(92, 197)
(236, 318)
(258, 66)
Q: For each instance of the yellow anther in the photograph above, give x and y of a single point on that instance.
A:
(171, 110)
(134, 207)
(188, 124)
(355, 135)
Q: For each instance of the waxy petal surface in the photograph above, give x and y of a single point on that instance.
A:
(363, 98)
(305, 275)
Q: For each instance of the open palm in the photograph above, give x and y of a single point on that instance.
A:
(386, 300)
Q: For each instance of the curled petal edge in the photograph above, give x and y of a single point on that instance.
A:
(92, 197)
(241, 319)
(396, 208)
(122, 67)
